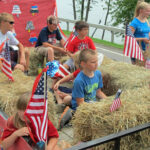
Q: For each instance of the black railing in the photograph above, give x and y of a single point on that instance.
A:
(112, 137)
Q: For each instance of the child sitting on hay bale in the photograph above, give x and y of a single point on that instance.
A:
(6, 39)
(64, 97)
(16, 127)
(88, 83)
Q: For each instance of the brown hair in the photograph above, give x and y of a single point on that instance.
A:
(5, 17)
(140, 5)
(79, 25)
(85, 55)
(21, 105)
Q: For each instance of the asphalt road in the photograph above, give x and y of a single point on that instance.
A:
(113, 53)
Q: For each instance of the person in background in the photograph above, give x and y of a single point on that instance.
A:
(16, 126)
(80, 42)
(140, 25)
(46, 44)
(88, 83)
(7, 37)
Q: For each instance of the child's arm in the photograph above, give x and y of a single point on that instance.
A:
(100, 94)
(10, 140)
(65, 79)
(52, 143)
(80, 101)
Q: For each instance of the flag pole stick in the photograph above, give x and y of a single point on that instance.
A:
(45, 88)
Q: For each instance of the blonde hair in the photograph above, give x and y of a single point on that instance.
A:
(85, 55)
(21, 105)
(5, 17)
(76, 59)
(140, 5)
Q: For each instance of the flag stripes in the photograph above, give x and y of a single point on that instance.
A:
(37, 108)
(115, 105)
(6, 64)
(131, 47)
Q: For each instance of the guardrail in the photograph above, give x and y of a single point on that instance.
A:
(113, 30)
(112, 137)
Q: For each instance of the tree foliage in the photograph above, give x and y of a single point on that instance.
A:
(122, 11)
(82, 5)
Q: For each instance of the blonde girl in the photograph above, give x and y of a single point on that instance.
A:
(140, 25)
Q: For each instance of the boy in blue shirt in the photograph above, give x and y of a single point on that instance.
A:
(88, 82)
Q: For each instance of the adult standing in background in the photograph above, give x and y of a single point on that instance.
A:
(140, 25)
(46, 43)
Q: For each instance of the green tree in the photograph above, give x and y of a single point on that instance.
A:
(122, 11)
(81, 8)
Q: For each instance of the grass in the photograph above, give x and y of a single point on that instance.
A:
(103, 42)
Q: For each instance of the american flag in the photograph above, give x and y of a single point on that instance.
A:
(6, 63)
(131, 47)
(71, 37)
(116, 102)
(36, 110)
(147, 64)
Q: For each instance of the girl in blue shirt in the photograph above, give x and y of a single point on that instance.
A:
(140, 25)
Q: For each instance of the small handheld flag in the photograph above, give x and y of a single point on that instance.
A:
(117, 102)
(6, 63)
(131, 47)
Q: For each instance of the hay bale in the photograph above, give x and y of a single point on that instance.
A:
(37, 60)
(10, 92)
(125, 76)
(94, 120)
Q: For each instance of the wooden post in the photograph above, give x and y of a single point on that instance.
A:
(112, 36)
(67, 26)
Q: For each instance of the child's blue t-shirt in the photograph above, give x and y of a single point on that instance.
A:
(86, 87)
(142, 30)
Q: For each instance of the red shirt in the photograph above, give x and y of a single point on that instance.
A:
(75, 73)
(52, 131)
(77, 44)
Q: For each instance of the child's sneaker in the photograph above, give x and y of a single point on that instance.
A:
(65, 117)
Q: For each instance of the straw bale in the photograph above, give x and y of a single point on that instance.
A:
(10, 92)
(94, 120)
(125, 76)
(37, 60)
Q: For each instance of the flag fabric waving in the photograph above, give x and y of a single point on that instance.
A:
(131, 47)
(117, 102)
(36, 109)
(56, 70)
(6, 63)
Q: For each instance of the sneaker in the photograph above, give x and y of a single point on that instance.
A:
(65, 117)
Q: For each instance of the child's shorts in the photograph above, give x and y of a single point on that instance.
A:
(70, 63)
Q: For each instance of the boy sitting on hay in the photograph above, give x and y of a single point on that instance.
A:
(6, 39)
(87, 85)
